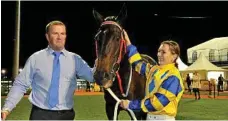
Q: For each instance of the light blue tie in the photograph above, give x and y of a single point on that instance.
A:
(54, 87)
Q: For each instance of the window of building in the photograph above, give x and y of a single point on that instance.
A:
(211, 55)
(194, 56)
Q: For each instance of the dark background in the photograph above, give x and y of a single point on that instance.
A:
(146, 30)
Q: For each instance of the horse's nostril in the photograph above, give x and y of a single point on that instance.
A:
(102, 77)
(106, 75)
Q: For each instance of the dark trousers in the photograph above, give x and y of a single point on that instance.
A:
(42, 114)
(189, 88)
(220, 87)
(196, 90)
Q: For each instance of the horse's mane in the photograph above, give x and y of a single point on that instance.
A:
(148, 59)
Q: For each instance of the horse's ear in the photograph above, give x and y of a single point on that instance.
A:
(122, 15)
(99, 18)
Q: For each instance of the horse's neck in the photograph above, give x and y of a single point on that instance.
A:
(136, 90)
(137, 81)
(124, 73)
(124, 69)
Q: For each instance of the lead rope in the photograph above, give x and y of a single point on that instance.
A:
(117, 104)
(129, 82)
(118, 100)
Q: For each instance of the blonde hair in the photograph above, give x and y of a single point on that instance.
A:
(56, 22)
(174, 48)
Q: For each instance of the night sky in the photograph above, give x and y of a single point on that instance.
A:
(146, 30)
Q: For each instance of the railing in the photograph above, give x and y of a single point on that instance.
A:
(223, 59)
(5, 86)
(81, 86)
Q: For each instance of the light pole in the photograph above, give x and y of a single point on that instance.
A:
(16, 42)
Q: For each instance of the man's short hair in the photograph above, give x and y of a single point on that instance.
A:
(56, 22)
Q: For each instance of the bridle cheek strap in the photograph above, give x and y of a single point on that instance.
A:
(122, 46)
(122, 49)
(96, 48)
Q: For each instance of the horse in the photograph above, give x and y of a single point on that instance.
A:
(113, 69)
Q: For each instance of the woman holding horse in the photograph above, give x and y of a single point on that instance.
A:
(164, 86)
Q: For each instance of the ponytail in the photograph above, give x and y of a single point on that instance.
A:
(176, 64)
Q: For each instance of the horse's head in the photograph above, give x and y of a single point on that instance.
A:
(110, 47)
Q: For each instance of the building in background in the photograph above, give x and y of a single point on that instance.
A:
(215, 50)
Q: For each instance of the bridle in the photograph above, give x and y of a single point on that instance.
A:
(122, 50)
(115, 71)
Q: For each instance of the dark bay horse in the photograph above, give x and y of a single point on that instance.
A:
(113, 69)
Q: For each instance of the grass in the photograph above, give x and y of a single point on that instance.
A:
(204, 109)
(92, 108)
(207, 93)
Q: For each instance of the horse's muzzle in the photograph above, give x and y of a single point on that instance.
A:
(103, 79)
(108, 84)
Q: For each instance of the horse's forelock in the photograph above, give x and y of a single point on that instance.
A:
(111, 18)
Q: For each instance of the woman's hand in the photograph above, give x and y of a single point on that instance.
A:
(124, 104)
(126, 38)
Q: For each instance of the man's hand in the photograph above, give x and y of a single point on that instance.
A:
(4, 114)
(126, 38)
(124, 104)
(96, 62)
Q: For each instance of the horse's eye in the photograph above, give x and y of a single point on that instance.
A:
(105, 31)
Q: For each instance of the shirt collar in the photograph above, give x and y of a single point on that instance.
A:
(167, 66)
(50, 51)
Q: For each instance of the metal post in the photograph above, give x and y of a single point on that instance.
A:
(218, 88)
(214, 90)
(16, 42)
(209, 88)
